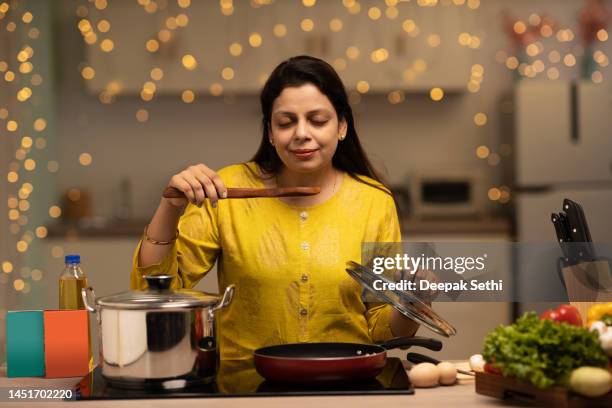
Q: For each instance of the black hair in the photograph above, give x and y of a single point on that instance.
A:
(304, 69)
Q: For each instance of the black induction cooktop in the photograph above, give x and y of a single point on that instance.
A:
(238, 378)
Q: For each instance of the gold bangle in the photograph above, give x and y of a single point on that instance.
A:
(155, 242)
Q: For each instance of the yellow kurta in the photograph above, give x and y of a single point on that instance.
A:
(287, 262)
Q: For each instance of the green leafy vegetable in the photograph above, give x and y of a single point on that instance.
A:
(542, 352)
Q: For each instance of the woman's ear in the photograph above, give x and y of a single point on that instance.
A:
(342, 129)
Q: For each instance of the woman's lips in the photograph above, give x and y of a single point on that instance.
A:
(304, 154)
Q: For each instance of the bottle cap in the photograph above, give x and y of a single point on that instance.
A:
(71, 259)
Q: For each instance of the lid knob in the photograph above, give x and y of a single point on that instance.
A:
(159, 282)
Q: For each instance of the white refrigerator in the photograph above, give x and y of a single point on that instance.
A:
(563, 149)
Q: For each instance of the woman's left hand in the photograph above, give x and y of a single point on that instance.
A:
(427, 295)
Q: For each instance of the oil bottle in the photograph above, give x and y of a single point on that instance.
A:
(71, 281)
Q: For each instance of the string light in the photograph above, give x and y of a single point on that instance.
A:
(436, 94)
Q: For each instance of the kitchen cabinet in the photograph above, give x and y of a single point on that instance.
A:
(209, 34)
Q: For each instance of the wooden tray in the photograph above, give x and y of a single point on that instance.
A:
(506, 388)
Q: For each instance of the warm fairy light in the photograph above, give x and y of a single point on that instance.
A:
(189, 62)
(546, 31)
(534, 19)
(538, 66)
(391, 3)
(74, 194)
(103, 26)
(227, 7)
(566, 35)
(171, 23)
(280, 30)
(12, 177)
(27, 17)
(152, 45)
(396, 97)
(339, 64)
(57, 251)
(164, 35)
(22, 246)
(36, 274)
(602, 35)
(13, 215)
(84, 25)
(569, 60)
(90, 38)
(142, 115)
(493, 159)
(309, 3)
(436, 94)
(363, 87)
(348, 3)
(519, 27)
(335, 25)
(29, 164)
(512, 63)
(150, 7)
(597, 77)
(107, 45)
(100, 4)
(10, 27)
(480, 119)
(12, 202)
(26, 142)
(374, 13)
(184, 3)
(392, 13)
(474, 42)
(307, 24)
(9, 76)
(215, 89)
(477, 70)
(355, 8)
(24, 205)
(188, 96)
(24, 94)
(473, 4)
(409, 25)
(255, 40)
(55, 211)
(20, 154)
(88, 73)
(34, 33)
(41, 232)
(433, 40)
(40, 124)
(227, 73)
(464, 39)
(379, 55)
(235, 49)
(419, 65)
(532, 50)
(11, 126)
(182, 20)
(494, 194)
(554, 56)
(3, 113)
(85, 159)
(3, 66)
(26, 67)
(156, 74)
(482, 152)
(4, 7)
(19, 284)
(352, 52)
(40, 143)
(52, 166)
(7, 267)
(473, 86)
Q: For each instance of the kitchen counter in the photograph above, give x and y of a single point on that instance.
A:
(461, 394)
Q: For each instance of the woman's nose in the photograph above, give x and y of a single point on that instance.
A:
(301, 130)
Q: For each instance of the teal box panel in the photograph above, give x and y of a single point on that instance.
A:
(25, 343)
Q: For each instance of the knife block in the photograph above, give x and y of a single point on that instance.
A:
(580, 280)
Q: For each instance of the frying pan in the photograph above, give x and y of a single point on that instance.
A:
(311, 363)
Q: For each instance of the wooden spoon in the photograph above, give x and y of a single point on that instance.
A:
(171, 192)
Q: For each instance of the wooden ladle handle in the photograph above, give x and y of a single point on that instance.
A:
(171, 192)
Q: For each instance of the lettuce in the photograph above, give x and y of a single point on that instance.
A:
(542, 352)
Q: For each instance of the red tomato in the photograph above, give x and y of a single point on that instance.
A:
(550, 315)
(489, 368)
(569, 314)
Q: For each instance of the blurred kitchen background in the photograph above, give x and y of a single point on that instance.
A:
(482, 114)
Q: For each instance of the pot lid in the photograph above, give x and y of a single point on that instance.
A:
(159, 295)
(408, 304)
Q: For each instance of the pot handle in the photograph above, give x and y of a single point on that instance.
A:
(225, 300)
(89, 299)
(405, 342)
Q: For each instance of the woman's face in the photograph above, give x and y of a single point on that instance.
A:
(304, 129)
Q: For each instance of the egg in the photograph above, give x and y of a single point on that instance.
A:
(477, 363)
(448, 373)
(424, 375)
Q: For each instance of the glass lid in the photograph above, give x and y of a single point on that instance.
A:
(408, 304)
(159, 295)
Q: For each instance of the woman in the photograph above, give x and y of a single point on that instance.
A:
(286, 256)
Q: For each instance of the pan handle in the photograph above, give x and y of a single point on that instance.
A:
(405, 342)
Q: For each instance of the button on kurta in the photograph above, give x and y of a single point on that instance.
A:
(303, 312)
(304, 215)
(305, 245)
(304, 278)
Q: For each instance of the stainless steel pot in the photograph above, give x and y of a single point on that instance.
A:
(158, 338)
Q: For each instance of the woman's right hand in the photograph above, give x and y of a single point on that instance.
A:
(197, 182)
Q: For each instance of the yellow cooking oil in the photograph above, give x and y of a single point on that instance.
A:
(71, 281)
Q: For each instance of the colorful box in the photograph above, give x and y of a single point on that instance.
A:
(25, 349)
(66, 343)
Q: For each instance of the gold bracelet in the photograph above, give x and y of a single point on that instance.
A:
(151, 240)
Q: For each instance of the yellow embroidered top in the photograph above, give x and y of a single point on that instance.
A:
(287, 262)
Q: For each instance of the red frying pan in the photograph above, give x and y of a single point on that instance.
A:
(308, 363)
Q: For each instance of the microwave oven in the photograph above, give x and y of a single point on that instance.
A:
(448, 193)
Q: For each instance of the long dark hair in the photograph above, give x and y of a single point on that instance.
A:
(300, 70)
